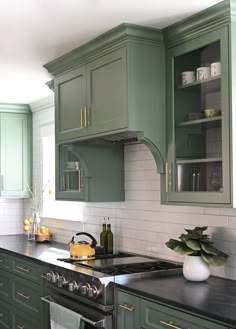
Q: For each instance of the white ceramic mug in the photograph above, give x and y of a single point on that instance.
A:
(187, 77)
(215, 69)
(203, 72)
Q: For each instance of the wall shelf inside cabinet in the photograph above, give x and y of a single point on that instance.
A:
(182, 161)
(208, 85)
(213, 122)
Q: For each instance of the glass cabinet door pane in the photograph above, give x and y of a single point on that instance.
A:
(198, 120)
(70, 175)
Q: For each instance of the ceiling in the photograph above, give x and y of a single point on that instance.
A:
(34, 32)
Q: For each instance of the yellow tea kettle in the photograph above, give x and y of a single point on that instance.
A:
(82, 250)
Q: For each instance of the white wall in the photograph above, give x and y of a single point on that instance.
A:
(141, 224)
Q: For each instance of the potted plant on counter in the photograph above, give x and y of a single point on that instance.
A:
(200, 253)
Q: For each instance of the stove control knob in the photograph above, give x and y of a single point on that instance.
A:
(62, 282)
(93, 291)
(55, 277)
(73, 286)
(84, 289)
(49, 276)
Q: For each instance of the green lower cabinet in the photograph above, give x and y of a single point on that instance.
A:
(127, 311)
(5, 285)
(27, 295)
(5, 315)
(155, 316)
(135, 312)
(24, 321)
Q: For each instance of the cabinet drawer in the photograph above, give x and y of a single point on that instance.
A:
(128, 311)
(5, 261)
(5, 285)
(27, 296)
(22, 321)
(5, 315)
(155, 316)
(28, 270)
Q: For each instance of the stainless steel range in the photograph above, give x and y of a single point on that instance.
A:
(88, 286)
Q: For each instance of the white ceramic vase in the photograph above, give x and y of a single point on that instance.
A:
(195, 269)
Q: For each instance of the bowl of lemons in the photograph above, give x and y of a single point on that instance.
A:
(43, 234)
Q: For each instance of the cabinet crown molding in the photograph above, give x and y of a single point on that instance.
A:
(116, 38)
(209, 19)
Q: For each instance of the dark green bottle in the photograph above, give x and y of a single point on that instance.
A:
(109, 238)
(103, 237)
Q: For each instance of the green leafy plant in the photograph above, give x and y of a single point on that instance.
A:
(196, 243)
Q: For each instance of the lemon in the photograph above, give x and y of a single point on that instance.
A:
(26, 228)
(31, 220)
(26, 222)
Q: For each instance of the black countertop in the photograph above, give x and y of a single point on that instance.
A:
(215, 298)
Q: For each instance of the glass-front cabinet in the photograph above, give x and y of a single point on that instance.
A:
(198, 166)
(91, 171)
(70, 173)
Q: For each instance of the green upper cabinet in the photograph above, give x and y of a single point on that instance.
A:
(199, 107)
(15, 142)
(113, 88)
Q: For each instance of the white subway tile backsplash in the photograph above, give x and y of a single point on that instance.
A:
(140, 223)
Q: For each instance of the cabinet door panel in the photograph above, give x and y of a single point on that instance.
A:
(107, 92)
(5, 261)
(5, 285)
(70, 100)
(28, 270)
(14, 155)
(27, 296)
(198, 145)
(128, 308)
(155, 316)
(6, 315)
(20, 320)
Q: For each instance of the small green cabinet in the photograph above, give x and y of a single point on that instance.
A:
(90, 172)
(135, 312)
(15, 146)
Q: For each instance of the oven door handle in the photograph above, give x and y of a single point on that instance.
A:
(95, 324)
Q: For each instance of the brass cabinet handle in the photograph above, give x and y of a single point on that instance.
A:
(23, 295)
(81, 118)
(20, 327)
(85, 117)
(167, 178)
(23, 269)
(127, 307)
(87, 113)
(79, 180)
(169, 324)
(168, 172)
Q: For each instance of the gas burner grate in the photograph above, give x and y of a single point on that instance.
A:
(136, 268)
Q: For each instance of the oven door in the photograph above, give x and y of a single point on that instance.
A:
(90, 317)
